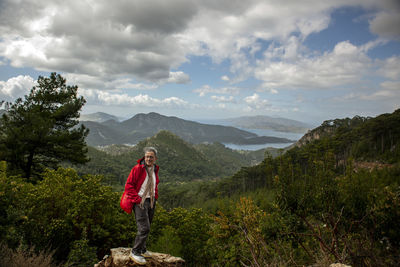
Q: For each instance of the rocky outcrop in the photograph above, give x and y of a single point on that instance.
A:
(119, 257)
(315, 134)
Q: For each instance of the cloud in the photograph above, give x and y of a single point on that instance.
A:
(178, 77)
(141, 100)
(223, 99)
(386, 24)
(146, 42)
(225, 78)
(390, 85)
(99, 38)
(342, 66)
(390, 91)
(16, 87)
(206, 89)
(92, 82)
(390, 68)
(254, 102)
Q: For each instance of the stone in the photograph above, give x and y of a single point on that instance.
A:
(119, 257)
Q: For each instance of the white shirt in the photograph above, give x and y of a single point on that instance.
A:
(145, 184)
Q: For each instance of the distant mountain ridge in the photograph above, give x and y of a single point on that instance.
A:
(195, 161)
(142, 126)
(98, 117)
(267, 122)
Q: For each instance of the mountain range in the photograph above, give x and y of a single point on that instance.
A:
(178, 160)
(142, 126)
(98, 117)
(270, 123)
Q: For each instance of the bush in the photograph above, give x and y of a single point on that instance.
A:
(25, 257)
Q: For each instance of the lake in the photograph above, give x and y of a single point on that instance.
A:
(259, 132)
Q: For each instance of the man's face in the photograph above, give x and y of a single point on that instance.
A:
(150, 158)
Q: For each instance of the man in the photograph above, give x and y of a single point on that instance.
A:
(141, 193)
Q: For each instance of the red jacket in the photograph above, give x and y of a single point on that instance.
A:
(134, 183)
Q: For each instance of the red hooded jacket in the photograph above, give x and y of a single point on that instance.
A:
(134, 183)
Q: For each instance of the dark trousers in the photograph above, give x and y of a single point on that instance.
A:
(143, 218)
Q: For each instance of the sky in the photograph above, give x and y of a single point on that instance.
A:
(310, 60)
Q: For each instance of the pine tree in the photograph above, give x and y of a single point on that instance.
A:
(41, 130)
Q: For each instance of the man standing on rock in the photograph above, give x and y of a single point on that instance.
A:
(141, 193)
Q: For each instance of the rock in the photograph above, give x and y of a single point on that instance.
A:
(339, 265)
(119, 257)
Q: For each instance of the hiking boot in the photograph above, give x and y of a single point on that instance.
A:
(137, 259)
(147, 254)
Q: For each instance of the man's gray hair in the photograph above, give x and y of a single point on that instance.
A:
(150, 149)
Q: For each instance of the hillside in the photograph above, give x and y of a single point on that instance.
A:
(334, 198)
(178, 160)
(358, 143)
(98, 117)
(336, 194)
(142, 126)
(362, 138)
(271, 123)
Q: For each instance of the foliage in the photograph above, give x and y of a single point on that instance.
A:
(64, 208)
(238, 239)
(168, 242)
(361, 138)
(179, 161)
(25, 257)
(79, 217)
(81, 254)
(40, 131)
(313, 204)
(190, 232)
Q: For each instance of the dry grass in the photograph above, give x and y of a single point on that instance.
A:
(25, 258)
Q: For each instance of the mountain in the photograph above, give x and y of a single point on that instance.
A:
(358, 143)
(361, 138)
(178, 159)
(266, 122)
(100, 134)
(142, 126)
(330, 128)
(98, 117)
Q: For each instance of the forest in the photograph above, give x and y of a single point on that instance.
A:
(331, 199)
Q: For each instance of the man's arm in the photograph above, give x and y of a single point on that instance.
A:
(131, 184)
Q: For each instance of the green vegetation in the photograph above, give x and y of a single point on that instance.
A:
(39, 131)
(333, 198)
(179, 161)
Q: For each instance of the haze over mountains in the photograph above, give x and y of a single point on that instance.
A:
(106, 131)
(271, 123)
(98, 117)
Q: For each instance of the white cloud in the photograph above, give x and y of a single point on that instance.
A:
(99, 38)
(343, 66)
(254, 102)
(223, 99)
(91, 82)
(225, 78)
(178, 77)
(16, 87)
(390, 85)
(114, 46)
(390, 68)
(146, 39)
(141, 100)
(206, 89)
